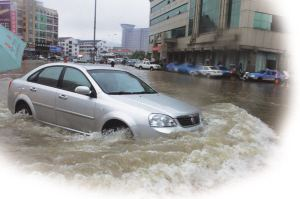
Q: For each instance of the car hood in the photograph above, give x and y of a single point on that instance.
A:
(158, 103)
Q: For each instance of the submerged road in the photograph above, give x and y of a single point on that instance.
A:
(242, 127)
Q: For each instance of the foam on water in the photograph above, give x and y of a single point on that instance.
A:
(232, 144)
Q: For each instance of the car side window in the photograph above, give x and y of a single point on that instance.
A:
(74, 78)
(49, 76)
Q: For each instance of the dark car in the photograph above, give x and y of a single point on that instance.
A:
(226, 72)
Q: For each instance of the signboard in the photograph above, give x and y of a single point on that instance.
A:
(55, 49)
(5, 14)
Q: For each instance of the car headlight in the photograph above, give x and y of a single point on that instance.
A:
(160, 120)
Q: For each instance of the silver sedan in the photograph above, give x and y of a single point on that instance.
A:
(88, 99)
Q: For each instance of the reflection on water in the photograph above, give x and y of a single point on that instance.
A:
(233, 142)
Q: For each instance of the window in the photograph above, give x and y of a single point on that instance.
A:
(210, 14)
(234, 11)
(49, 76)
(262, 21)
(192, 16)
(160, 5)
(74, 78)
(175, 33)
(172, 13)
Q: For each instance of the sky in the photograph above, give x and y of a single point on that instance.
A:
(76, 17)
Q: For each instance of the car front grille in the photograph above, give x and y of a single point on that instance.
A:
(189, 120)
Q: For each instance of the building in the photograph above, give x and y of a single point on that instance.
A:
(74, 47)
(69, 45)
(247, 33)
(135, 39)
(8, 15)
(86, 47)
(35, 24)
(46, 28)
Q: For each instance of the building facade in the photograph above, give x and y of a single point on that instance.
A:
(35, 24)
(69, 45)
(247, 33)
(74, 47)
(8, 15)
(86, 47)
(135, 39)
(46, 28)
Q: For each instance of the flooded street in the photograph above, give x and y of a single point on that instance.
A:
(241, 129)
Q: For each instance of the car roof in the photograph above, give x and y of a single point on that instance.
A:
(84, 66)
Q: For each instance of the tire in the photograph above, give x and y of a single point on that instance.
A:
(23, 108)
(114, 126)
(151, 69)
(260, 79)
(208, 76)
(140, 67)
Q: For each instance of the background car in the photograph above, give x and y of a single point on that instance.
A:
(266, 75)
(210, 71)
(185, 68)
(131, 62)
(147, 65)
(226, 72)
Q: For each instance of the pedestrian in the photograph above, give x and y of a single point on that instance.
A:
(112, 63)
(241, 70)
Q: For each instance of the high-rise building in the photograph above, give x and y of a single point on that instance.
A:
(46, 28)
(135, 39)
(35, 24)
(247, 33)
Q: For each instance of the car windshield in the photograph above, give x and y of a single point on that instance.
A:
(213, 68)
(115, 82)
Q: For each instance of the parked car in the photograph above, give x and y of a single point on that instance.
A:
(210, 71)
(266, 75)
(132, 62)
(147, 65)
(91, 98)
(226, 72)
(172, 67)
(109, 60)
(41, 57)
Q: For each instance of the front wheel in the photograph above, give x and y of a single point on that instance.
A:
(151, 69)
(23, 109)
(140, 67)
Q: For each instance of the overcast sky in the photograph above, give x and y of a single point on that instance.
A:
(76, 17)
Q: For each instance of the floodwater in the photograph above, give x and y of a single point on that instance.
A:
(241, 131)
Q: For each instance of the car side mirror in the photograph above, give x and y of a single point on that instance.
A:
(83, 90)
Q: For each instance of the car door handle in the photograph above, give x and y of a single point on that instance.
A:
(33, 89)
(63, 97)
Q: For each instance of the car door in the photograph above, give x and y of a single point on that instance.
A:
(73, 110)
(42, 89)
(269, 75)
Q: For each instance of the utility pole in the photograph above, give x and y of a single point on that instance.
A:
(95, 20)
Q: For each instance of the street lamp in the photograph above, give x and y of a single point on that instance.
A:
(95, 20)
